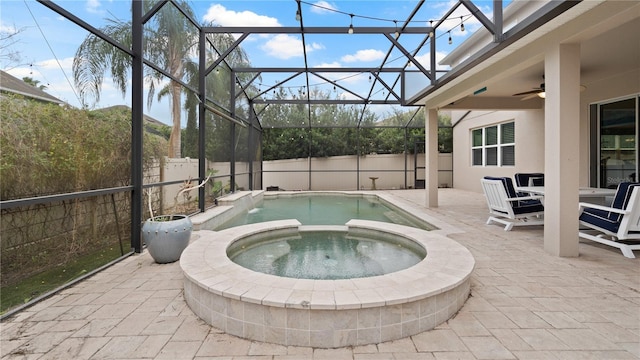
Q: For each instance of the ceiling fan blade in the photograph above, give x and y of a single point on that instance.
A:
(528, 92)
(530, 96)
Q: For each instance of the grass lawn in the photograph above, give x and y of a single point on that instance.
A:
(32, 287)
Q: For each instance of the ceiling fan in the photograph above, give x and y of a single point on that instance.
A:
(539, 91)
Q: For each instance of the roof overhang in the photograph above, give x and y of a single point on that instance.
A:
(517, 64)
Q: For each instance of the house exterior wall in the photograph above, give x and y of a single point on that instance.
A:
(530, 134)
(619, 86)
(529, 145)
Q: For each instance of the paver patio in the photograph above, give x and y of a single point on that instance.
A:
(524, 304)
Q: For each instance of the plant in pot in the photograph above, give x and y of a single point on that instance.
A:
(166, 236)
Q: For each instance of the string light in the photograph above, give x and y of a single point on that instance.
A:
(369, 77)
(461, 24)
(351, 24)
(298, 17)
(397, 33)
(431, 34)
(450, 41)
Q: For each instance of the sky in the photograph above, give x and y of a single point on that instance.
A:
(45, 43)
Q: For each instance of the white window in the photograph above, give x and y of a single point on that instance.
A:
(493, 145)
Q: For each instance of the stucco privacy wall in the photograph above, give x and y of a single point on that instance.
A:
(183, 168)
(529, 145)
(334, 173)
(339, 172)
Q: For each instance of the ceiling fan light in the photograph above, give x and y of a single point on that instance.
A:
(542, 94)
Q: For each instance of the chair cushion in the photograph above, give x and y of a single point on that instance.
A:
(522, 179)
(623, 193)
(606, 219)
(601, 219)
(527, 206)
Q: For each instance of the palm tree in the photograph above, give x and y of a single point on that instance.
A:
(34, 83)
(169, 41)
(217, 87)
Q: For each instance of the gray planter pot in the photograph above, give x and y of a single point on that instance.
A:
(167, 236)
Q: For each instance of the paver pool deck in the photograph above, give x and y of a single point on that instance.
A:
(524, 304)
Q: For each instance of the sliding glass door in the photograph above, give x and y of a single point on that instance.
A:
(618, 133)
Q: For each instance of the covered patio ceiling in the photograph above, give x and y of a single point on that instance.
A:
(608, 46)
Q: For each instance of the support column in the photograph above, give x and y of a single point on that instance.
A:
(431, 157)
(137, 126)
(562, 149)
(202, 93)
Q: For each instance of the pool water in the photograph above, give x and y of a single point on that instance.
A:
(326, 255)
(324, 210)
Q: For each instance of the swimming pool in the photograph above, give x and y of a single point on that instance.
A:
(325, 209)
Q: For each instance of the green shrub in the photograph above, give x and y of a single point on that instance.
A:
(51, 149)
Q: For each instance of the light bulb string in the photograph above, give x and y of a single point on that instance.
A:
(352, 15)
(461, 20)
(400, 57)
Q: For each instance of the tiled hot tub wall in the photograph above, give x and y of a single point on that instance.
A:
(323, 328)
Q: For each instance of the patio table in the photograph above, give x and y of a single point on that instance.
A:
(586, 194)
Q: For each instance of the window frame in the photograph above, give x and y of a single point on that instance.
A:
(482, 150)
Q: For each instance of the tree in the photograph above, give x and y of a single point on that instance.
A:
(170, 39)
(34, 83)
(9, 57)
(445, 134)
(217, 88)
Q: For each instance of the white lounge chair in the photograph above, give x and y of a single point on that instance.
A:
(618, 225)
(505, 207)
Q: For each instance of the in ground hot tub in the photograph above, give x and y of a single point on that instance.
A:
(331, 312)
(325, 253)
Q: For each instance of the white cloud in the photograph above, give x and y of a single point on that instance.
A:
(348, 96)
(283, 46)
(364, 55)
(20, 72)
(8, 29)
(52, 64)
(425, 59)
(323, 7)
(314, 46)
(334, 64)
(93, 6)
(219, 15)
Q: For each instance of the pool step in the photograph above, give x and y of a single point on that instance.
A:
(397, 219)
